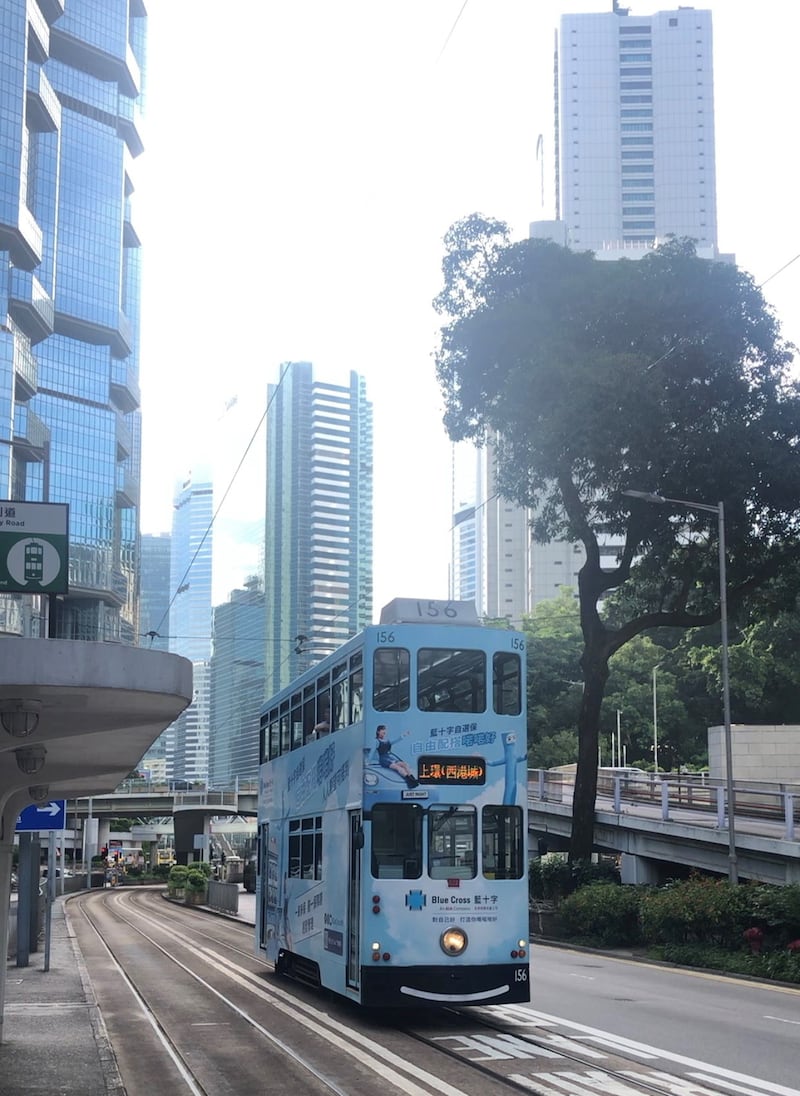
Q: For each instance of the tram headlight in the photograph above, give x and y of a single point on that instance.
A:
(453, 941)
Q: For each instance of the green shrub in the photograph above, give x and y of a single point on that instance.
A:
(177, 875)
(602, 913)
(205, 868)
(775, 910)
(196, 880)
(695, 910)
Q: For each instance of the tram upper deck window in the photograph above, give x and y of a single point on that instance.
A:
(391, 681)
(341, 697)
(502, 842)
(451, 680)
(452, 842)
(507, 683)
(356, 688)
(274, 734)
(396, 841)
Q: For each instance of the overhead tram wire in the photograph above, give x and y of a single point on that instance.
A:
(214, 516)
(450, 32)
(760, 285)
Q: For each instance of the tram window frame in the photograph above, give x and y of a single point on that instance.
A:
(507, 683)
(502, 842)
(323, 702)
(340, 697)
(296, 709)
(304, 852)
(356, 688)
(452, 845)
(391, 679)
(274, 734)
(396, 840)
(451, 679)
(285, 725)
(309, 711)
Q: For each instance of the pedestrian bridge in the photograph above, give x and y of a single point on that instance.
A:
(656, 820)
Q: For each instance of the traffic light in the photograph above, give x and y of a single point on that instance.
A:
(104, 851)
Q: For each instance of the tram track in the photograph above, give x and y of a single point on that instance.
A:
(335, 1055)
(339, 1048)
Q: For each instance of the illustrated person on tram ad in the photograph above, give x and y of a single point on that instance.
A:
(389, 760)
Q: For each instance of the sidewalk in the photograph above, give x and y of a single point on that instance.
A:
(54, 1038)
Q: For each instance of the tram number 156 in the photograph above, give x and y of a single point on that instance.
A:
(521, 974)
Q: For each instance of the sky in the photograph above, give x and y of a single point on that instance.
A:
(303, 161)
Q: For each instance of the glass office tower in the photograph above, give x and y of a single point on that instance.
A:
(318, 534)
(70, 94)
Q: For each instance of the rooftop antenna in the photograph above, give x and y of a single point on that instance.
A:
(618, 10)
(540, 158)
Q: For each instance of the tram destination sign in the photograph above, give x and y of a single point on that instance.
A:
(451, 770)
(34, 547)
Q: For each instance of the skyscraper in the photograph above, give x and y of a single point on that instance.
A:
(634, 140)
(318, 538)
(237, 686)
(69, 291)
(190, 619)
(635, 116)
(155, 590)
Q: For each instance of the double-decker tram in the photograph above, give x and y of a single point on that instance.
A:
(392, 851)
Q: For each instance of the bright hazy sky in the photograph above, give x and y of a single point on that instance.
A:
(304, 159)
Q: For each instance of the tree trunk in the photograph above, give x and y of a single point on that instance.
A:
(595, 671)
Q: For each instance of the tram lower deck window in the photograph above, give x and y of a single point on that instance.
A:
(502, 842)
(396, 841)
(452, 842)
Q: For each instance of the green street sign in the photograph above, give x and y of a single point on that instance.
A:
(34, 547)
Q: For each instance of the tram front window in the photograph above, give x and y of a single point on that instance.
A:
(502, 840)
(396, 841)
(452, 841)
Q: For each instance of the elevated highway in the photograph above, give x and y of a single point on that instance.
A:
(656, 822)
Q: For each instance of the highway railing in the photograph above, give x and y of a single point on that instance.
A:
(673, 792)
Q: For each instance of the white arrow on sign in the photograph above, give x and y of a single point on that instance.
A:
(51, 808)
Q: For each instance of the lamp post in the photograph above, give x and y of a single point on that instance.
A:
(655, 722)
(719, 510)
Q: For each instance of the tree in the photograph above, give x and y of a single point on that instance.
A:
(590, 378)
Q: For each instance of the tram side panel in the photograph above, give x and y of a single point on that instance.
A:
(304, 820)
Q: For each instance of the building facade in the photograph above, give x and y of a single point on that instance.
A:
(70, 99)
(635, 116)
(155, 590)
(318, 530)
(237, 686)
(190, 620)
(634, 140)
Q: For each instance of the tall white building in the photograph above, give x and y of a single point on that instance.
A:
(634, 152)
(635, 129)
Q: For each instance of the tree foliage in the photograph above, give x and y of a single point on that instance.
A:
(665, 375)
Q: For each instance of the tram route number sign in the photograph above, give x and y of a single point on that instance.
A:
(451, 770)
(34, 547)
(43, 816)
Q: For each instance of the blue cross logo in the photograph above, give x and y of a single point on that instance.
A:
(416, 900)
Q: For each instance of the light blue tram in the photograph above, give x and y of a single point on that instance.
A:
(392, 862)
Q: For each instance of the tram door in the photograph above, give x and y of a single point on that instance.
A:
(267, 892)
(354, 900)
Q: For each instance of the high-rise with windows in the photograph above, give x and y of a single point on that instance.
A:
(318, 533)
(70, 97)
(635, 117)
(634, 156)
(237, 686)
(155, 590)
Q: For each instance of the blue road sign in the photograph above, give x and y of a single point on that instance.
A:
(48, 816)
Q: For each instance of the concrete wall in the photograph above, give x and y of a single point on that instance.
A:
(760, 752)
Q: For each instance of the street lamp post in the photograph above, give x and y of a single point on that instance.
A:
(719, 510)
(655, 722)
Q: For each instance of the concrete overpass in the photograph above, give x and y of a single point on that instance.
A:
(75, 719)
(655, 823)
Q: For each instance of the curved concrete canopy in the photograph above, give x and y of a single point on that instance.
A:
(100, 707)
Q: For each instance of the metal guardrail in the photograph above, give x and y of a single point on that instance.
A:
(223, 896)
(679, 791)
